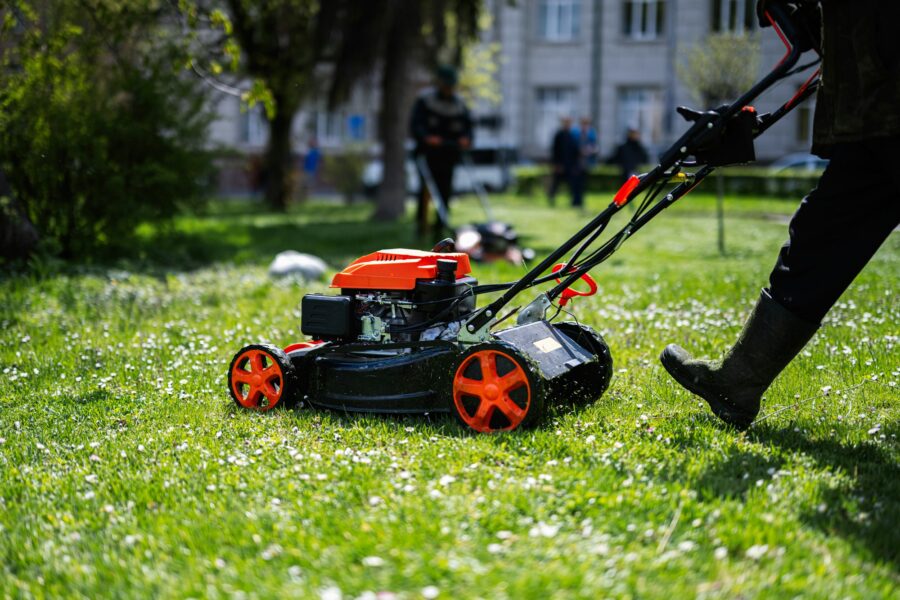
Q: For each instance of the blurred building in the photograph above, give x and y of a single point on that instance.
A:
(614, 61)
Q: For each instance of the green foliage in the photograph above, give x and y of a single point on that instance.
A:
(99, 130)
(722, 68)
(344, 169)
(739, 181)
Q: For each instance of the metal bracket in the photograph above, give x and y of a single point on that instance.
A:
(468, 334)
(535, 310)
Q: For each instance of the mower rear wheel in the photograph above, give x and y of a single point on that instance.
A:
(261, 377)
(495, 389)
(586, 382)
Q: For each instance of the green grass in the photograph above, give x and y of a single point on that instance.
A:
(126, 471)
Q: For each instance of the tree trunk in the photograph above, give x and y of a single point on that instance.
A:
(400, 57)
(277, 171)
(18, 237)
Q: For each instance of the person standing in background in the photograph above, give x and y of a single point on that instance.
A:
(629, 155)
(312, 162)
(442, 128)
(587, 142)
(566, 164)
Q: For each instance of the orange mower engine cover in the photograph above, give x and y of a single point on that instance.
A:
(389, 342)
(403, 334)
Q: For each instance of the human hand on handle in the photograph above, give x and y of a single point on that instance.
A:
(763, 5)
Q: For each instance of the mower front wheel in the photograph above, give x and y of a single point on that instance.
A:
(495, 389)
(262, 377)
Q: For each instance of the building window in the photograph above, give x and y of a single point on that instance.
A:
(558, 20)
(734, 16)
(644, 19)
(253, 129)
(552, 103)
(640, 108)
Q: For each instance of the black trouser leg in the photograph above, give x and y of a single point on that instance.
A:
(555, 180)
(442, 173)
(576, 187)
(422, 208)
(839, 227)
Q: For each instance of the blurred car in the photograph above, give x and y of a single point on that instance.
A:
(491, 166)
(798, 161)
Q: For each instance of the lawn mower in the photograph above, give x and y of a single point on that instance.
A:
(486, 241)
(405, 334)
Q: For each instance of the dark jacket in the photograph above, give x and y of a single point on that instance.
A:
(565, 153)
(629, 156)
(860, 94)
(433, 114)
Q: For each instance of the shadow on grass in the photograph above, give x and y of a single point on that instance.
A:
(865, 508)
(737, 475)
(234, 240)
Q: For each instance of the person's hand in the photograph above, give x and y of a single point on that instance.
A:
(761, 7)
(464, 142)
(433, 140)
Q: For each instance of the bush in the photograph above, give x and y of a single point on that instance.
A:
(739, 181)
(344, 170)
(98, 131)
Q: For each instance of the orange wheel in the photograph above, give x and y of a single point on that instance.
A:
(260, 377)
(494, 390)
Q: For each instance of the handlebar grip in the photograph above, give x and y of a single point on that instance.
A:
(795, 22)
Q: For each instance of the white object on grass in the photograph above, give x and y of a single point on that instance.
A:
(292, 263)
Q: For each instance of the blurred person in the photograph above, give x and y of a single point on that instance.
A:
(441, 126)
(839, 226)
(312, 163)
(587, 142)
(565, 158)
(629, 155)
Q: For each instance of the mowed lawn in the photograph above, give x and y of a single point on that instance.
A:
(127, 471)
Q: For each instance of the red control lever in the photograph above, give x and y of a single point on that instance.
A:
(570, 293)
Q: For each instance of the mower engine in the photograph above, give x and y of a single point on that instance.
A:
(392, 296)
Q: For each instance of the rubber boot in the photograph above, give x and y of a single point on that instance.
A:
(733, 386)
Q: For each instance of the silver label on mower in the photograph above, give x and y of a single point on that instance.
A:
(547, 345)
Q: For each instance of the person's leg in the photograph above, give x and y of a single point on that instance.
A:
(838, 228)
(834, 233)
(555, 178)
(442, 172)
(576, 185)
(422, 208)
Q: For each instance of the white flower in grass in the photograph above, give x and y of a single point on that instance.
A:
(375, 500)
(721, 553)
(91, 478)
(430, 592)
(447, 480)
(495, 548)
(331, 592)
(373, 561)
(543, 530)
(686, 546)
(504, 535)
(757, 552)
